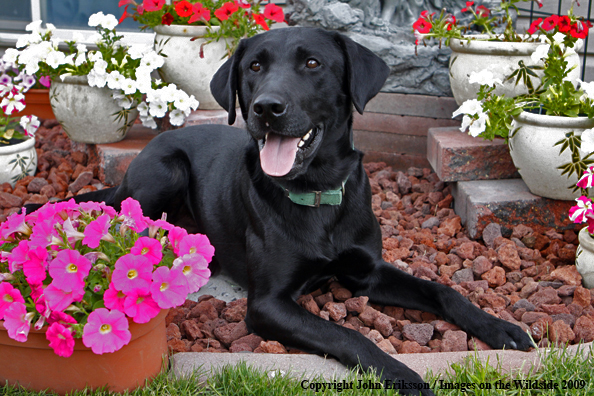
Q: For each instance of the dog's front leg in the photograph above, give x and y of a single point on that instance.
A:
(281, 319)
(387, 285)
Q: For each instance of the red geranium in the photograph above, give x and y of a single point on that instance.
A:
(274, 12)
(183, 8)
(550, 23)
(200, 12)
(483, 11)
(153, 5)
(260, 20)
(564, 24)
(226, 10)
(422, 25)
(167, 19)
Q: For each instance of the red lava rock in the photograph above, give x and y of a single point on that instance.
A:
(495, 276)
(175, 315)
(494, 301)
(191, 330)
(383, 324)
(231, 332)
(310, 305)
(235, 310)
(204, 311)
(554, 309)
(341, 294)
(337, 311)
(272, 347)
(531, 317)
(421, 333)
(323, 299)
(374, 336)
(409, 347)
(509, 258)
(356, 304)
(368, 315)
(474, 344)
(582, 297)
(173, 332)
(209, 327)
(8, 200)
(36, 184)
(251, 341)
(454, 340)
(584, 329)
(567, 274)
(466, 251)
(176, 345)
(394, 312)
(548, 295)
(480, 265)
(386, 346)
(561, 333)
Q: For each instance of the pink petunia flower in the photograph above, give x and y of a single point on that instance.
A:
(131, 214)
(155, 225)
(587, 179)
(578, 213)
(195, 268)
(176, 234)
(15, 223)
(59, 300)
(96, 231)
(17, 321)
(90, 207)
(35, 267)
(140, 306)
(106, 331)
(42, 306)
(60, 317)
(170, 287)
(149, 248)
(114, 299)
(61, 340)
(69, 270)
(8, 296)
(196, 243)
(44, 234)
(132, 272)
(18, 256)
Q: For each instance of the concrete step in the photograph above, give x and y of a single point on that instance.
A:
(457, 156)
(507, 202)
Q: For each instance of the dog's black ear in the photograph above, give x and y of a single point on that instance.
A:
(225, 82)
(366, 72)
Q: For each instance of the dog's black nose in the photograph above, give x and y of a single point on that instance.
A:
(269, 106)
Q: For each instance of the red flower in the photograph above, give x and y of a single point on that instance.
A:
(243, 4)
(259, 19)
(468, 5)
(226, 10)
(534, 26)
(539, 2)
(200, 12)
(564, 24)
(422, 25)
(450, 22)
(125, 2)
(549, 23)
(153, 5)
(580, 29)
(183, 8)
(274, 12)
(167, 19)
(483, 11)
(125, 14)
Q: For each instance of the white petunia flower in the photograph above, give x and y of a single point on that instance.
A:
(588, 88)
(152, 60)
(177, 117)
(81, 48)
(95, 56)
(540, 53)
(96, 79)
(129, 86)
(55, 59)
(109, 21)
(80, 59)
(11, 55)
(12, 103)
(77, 37)
(96, 19)
(114, 80)
(34, 27)
(478, 126)
(137, 51)
(100, 67)
(170, 93)
(587, 141)
(30, 124)
(470, 107)
(50, 27)
(143, 109)
(157, 108)
(182, 101)
(484, 77)
(124, 102)
(95, 38)
(148, 122)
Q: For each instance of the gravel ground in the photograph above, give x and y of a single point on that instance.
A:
(528, 279)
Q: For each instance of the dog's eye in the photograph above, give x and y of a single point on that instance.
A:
(255, 66)
(312, 63)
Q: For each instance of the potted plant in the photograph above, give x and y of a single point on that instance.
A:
(196, 37)
(83, 296)
(18, 157)
(490, 41)
(543, 125)
(97, 95)
(36, 91)
(581, 213)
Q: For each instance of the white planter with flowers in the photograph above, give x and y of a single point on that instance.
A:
(500, 58)
(536, 156)
(17, 161)
(584, 260)
(190, 60)
(89, 114)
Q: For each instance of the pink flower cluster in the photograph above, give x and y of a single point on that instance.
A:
(583, 211)
(84, 270)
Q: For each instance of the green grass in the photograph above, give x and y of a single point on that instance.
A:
(559, 367)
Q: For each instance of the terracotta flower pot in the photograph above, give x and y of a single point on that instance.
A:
(38, 104)
(35, 366)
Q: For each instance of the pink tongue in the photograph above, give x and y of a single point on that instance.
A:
(278, 154)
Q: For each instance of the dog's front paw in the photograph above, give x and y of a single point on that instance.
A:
(504, 335)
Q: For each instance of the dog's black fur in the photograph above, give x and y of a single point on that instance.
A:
(210, 179)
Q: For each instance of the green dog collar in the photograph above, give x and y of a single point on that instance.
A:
(317, 198)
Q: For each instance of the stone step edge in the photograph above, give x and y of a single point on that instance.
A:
(457, 156)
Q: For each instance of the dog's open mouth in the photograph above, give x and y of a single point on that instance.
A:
(279, 154)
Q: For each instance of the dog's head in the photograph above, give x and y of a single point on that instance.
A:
(296, 88)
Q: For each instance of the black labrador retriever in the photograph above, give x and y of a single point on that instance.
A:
(288, 205)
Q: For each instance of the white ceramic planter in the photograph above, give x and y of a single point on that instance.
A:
(501, 58)
(184, 66)
(88, 114)
(584, 260)
(534, 154)
(17, 161)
